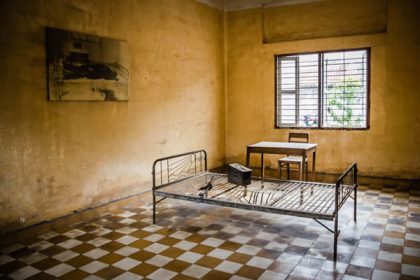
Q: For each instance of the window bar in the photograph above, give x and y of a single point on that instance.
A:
(364, 87)
(297, 105)
(320, 91)
(344, 95)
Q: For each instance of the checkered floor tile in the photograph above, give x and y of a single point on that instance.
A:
(198, 241)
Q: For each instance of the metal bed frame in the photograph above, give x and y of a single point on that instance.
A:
(185, 176)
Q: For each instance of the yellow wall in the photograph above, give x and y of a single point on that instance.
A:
(60, 157)
(390, 148)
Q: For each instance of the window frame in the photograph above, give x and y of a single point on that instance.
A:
(320, 87)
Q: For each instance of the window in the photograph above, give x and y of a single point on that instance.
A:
(323, 89)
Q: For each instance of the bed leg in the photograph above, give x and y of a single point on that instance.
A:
(335, 237)
(355, 204)
(154, 208)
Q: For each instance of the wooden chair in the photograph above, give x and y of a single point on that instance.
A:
(294, 137)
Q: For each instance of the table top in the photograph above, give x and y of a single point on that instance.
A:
(283, 145)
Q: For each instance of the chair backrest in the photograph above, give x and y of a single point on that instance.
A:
(299, 137)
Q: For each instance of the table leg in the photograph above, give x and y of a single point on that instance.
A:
(302, 168)
(313, 166)
(262, 166)
(247, 158)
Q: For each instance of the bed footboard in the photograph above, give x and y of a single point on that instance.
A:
(345, 185)
(176, 168)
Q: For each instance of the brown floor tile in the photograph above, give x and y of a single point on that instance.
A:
(109, 272)
(79, 261)
(11, 266)
(269, 254)
(223, 235)
(202, 249)
(89, 227)
(250, 272)
(144, 269)
(46, 264)
(177, 265)
(28, 240)
(61, 228)
(215, 274)
(258, 242)
(388, 266)
(110, 258)
(239, 258)
(113, 235)
(408, 230)
(87, 237)
(112, 246)
(172, 252)
(197, 238)
(75, 274)
(142, 255)
(359, 271)
(411, 260)
(83, 248)
(406, 277)
(168, 241)
(53, 250)
(391, 248)
(209, 262)
(23, 252)
(282, 267)
(182, 277)
(140, 244)
(231, 246)
(411, 243)
(165, 231)
(140, 234)
(394, 234)
(58, 239)
(327, 275)
(192, 229)
(44, 276)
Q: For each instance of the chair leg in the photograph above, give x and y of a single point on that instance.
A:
(279, 169)
(288, 171)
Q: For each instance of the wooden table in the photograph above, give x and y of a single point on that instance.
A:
(287, 148)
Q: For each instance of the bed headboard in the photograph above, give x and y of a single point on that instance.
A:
(178, 167)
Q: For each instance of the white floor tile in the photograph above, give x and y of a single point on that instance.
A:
(126, 263)
(196, 271)
(228, 267)
(59, 270)
(96, 253)
(93, 267)
(24, 272)
(162, 274)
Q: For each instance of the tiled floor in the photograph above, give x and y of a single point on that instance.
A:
(197, 241)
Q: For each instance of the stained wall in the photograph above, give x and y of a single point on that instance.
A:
(58, 157)
(391, 147)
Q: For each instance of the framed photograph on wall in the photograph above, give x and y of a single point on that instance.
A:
(83, 67)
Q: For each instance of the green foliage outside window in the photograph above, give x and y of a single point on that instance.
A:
(342, 101)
